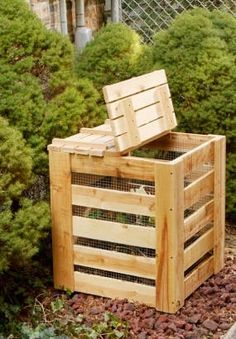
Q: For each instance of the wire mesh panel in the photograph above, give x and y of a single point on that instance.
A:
(150, 16)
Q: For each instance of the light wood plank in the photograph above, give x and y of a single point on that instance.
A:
(61, 211)
(138, 266)
(146, 133)
(142, 117)
(199, 188)
(179, 142)
(113, 288)
(77, 137)
(167, 107)
(170, 236)
(130, 123)
(139, 101)
(196, 221)
(126, 167)
(198, 276)
(112, 200)
(196, 250)
(219, 205)
(198, 156)
(134, 85)
(96, 131)
(114, 232)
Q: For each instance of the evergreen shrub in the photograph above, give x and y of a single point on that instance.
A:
(198, 52)
(112, 56)
(23, 223)
(40, 93)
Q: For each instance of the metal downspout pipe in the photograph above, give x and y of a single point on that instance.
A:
(82, 34)
(115, 10)
(63, 17)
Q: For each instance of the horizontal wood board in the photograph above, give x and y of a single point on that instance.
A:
(113, 288)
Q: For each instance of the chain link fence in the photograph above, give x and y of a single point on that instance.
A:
(150, 16)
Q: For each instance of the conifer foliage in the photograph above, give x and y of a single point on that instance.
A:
(40, 94)
(40, 98)
(111, 57)
(198, 52)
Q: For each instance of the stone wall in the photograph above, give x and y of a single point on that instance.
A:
(49, 12)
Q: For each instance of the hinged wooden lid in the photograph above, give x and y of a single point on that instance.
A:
(140, 110)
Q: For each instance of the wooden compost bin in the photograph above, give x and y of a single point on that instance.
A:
(144, 221)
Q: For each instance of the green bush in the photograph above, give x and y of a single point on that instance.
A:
(198, 52)
(40, 98)
(22, 223)
(111, 57)
(40, 94)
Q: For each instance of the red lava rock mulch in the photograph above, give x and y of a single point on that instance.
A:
(208, 313)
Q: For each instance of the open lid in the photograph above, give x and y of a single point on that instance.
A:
(140, 110)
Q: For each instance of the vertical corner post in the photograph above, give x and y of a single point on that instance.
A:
(219, 202)
(61, 212)
(169, 182)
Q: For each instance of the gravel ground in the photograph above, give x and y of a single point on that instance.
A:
(207, 313)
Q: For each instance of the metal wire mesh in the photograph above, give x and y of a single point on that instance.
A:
(163, 151)
(115, 275)
(111, 246)
(113, 183)
(108, 215)
(150, 16)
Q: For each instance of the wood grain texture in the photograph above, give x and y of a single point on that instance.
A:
(196, 221)
(198, 276)
(198, 189)
(198, 248)
(113, 288)
(170, 236)
(114, 232)
(61, 211)
(140, 110)
(219, 202)
(112, 200)
(134, 85)
(198, 156)
(124, 167)
(113, 261)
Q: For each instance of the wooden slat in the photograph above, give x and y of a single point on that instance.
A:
(62, 246)
(100, 143)
(198, 156)
(142, 117)
(146, 132)
(112, 200)
(196, 250)
(219, 202)
(96, 131)
(167, 107)
(198, 276)
(130, 123)
(126, 167)
(170, 236)
(77, 137)
(134, 85)
(199, 188)
(115, 261)
(114, 232)
(196, 221)
(113, 288)
(139, 101)
(180, 142)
